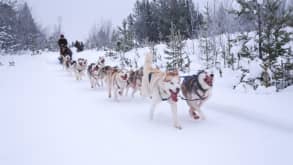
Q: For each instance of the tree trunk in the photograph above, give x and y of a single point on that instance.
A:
(259, 32)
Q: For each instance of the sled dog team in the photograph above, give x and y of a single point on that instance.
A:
(159, 86)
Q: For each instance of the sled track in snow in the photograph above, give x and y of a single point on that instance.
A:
(253, 118)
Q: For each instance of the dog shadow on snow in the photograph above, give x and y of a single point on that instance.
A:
(252, 117)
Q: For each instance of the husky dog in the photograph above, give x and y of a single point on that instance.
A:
(197, 89)
(105, 74)
(134, 81)
(161, 86)
(94, 72)
(117, 82)
(66, 62)
(79, 68)
(101, 62)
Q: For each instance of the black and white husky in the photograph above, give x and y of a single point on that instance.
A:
(197, 89)
(66, 62)
(79, 68)
(94, 72)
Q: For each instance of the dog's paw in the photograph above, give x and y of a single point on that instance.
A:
(194, 115)
(178, 127)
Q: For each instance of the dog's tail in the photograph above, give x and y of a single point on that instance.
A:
(147, 68)
(148, 63)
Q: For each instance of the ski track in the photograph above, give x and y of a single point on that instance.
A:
(47, 117)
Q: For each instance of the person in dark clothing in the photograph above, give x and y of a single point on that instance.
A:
(62, 42)
(79, 46)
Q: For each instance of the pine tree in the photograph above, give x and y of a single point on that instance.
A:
(100, 35)
(152, 19)
(53, 38)
(253, 10)
(275, 37)
(271, 18)
(8, 39)
(175, 54)
(206, 43)
(245, 51)
(126, 40)
(28, 31)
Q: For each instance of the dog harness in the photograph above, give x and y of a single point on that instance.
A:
(163, 99)
(160, 93)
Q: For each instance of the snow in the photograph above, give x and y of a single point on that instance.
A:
(47, 117)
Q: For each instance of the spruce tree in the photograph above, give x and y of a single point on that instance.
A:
(245, 50)
(275, 37)
(206, 44)
(126, 40)
(175, 54)
(253, 10)
(28, 31)
(8, 39)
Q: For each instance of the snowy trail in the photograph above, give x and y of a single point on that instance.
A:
(47, 117)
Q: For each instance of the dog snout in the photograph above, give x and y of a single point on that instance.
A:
(212, 75)
(177, 90)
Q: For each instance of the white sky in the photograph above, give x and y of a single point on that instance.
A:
(78, 16)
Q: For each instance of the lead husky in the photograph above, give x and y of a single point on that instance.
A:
(197, 89)
(161, 86)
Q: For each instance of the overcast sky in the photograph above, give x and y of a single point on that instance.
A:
(78, 16)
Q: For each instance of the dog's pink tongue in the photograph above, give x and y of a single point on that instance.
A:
(174, 96)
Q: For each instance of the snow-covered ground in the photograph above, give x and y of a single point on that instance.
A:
(49, 118)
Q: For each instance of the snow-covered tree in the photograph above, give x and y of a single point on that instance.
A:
(175, 54)
(100, 35)
(125, 40)
(28, 32)
(8, 40)
(275, 36)
(246, 51)
(206, 41)
(152, 19)
(54, 36)
(253, 11)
